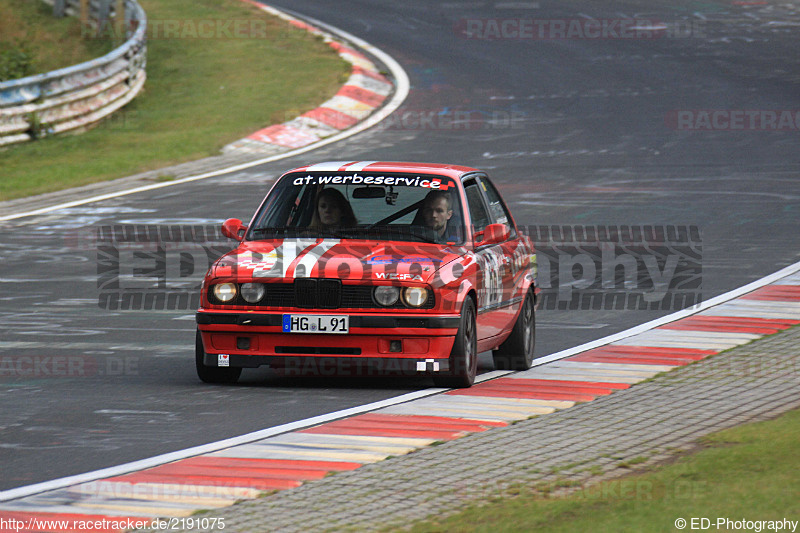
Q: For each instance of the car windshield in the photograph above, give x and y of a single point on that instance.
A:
(352, 205)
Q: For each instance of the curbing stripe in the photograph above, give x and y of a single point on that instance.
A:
(364, 92)
(179, 470)
(120, 489)
(233, 481)
(530, 386)
(387, 432)
(729, 329)
(665, 343)
(622, 359)
(501, 393)
(141, 507)
(330, 443)
(666, 334)
(362, 95)
(355, 440)
(283, 135)
(571, 384)
(473, 412)
(755, 313)
(479, 403)
(780, 292)
(239, 462)
(501, 403)
(371, 83)
(646, 352)
(287, 451)
(331, 117)
(348, 106)
(596, 378)
(426, 421)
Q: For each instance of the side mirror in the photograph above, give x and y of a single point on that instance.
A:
(495, 233)
(234, 229)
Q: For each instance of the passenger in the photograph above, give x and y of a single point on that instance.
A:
(332, 210)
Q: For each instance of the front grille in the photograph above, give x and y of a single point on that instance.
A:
(311, 293)
(305, 293)
(329, 293)
(317, 293)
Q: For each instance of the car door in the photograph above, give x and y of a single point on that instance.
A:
(491, 317)
(514, 254)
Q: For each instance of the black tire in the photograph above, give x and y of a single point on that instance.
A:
(516, 353)
(463, 362)
(212, 374)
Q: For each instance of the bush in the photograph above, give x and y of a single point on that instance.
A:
(15, 62)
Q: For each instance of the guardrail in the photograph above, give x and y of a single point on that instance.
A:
(78, 96)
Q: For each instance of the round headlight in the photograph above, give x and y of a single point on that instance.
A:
(415, 296)
(386, 295)
(252, 292)
(225, 292)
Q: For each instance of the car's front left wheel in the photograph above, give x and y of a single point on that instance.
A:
(516, 353)
(212, 374)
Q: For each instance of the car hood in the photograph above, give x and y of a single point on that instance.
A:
(343, 259)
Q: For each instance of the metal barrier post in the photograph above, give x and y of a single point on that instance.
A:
(85, 13)
(59, 8)
(103, 16)
(119, 20)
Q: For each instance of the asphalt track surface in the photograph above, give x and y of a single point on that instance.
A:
(581, 136)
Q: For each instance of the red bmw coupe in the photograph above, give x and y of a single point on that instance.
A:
(413, 266)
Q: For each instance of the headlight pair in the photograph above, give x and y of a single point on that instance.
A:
(251, 292)
(387, 295)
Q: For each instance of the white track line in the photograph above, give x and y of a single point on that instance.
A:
(300, 424)
(402, 86)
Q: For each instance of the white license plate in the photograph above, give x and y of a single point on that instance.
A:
(316, 324)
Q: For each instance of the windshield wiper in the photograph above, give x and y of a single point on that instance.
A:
(368, 233)
(260, 232)
(297, 232)
(419, 233)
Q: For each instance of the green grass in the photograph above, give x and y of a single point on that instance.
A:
(200, 95)
(29, 26)
(748, 472)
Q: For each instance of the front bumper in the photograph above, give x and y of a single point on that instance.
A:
(253, 339)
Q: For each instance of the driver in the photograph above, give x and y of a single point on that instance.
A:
(437, 211)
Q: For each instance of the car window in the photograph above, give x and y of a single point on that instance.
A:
(384, 207)
(497, 207)
(477, 209)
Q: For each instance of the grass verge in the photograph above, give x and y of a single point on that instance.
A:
(202, 92)
(35, 40)
(744, 473)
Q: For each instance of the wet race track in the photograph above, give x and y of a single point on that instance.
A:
(575, 128)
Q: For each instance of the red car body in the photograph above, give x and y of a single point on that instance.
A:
(469, 290)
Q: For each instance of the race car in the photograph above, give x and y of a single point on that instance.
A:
(348, 265)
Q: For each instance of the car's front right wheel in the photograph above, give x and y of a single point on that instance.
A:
(212, 374)
(463, 362)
